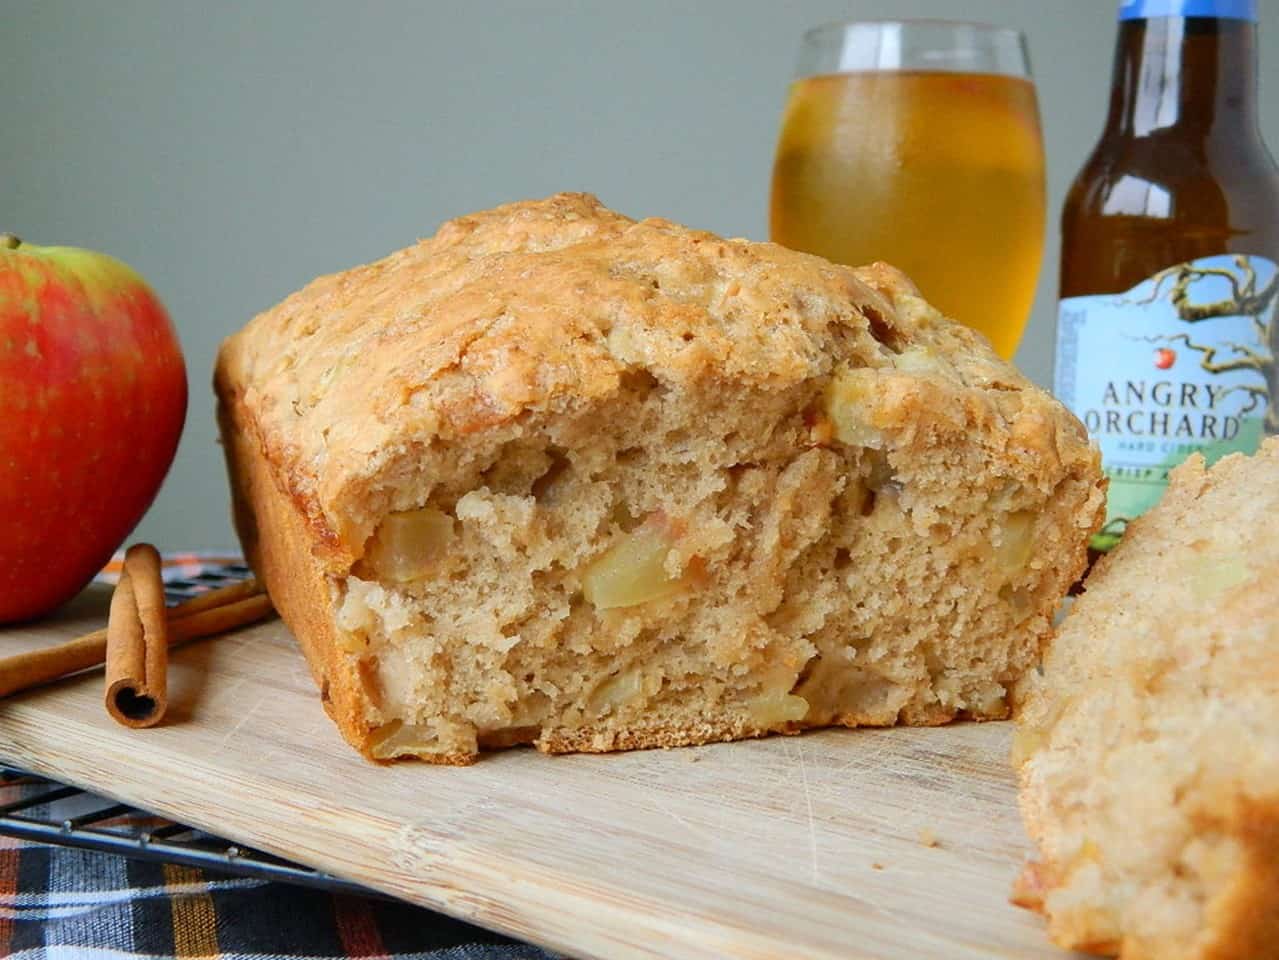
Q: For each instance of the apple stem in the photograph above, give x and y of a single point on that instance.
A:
(8, 241)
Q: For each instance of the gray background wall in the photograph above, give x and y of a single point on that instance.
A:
(232, 151)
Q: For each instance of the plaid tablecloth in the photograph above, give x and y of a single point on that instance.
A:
(60, 903)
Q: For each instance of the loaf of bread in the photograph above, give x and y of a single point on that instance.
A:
(554, 476)
(1149, 747)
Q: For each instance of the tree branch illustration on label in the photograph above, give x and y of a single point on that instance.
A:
(1184, 362)
(1244, 301)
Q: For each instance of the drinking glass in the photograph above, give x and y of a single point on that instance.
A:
(918, 143)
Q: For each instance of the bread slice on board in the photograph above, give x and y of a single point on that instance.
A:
(554, 476)
(1149, 747)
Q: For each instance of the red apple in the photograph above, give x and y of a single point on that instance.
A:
(1165, 358)
(93, 396)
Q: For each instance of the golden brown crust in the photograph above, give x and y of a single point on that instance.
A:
(283, 560)
(539, 307)
(607, 738)
(656, 736)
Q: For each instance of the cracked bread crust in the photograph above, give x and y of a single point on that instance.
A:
(540, 308)
(1148, 752)
(523, 335)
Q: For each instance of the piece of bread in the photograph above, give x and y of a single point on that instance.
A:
(1149, 747)
(557, 477)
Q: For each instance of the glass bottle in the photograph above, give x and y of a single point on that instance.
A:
(1167, 337)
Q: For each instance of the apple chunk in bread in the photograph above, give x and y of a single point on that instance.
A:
(409, 543)
(638, 567)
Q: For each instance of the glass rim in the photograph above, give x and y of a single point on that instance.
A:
(932, 45)
(983, 25)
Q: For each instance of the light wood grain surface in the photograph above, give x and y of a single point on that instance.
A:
(791, 847)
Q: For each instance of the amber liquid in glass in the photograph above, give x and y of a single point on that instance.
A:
(940, 174)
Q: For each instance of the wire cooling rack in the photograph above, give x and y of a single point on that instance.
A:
(46, 811)
(37, 809)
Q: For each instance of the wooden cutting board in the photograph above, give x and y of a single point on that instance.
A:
(816, 846)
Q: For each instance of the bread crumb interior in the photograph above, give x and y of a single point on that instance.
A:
(663, 567)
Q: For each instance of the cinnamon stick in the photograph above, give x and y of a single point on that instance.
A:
(218, 611)
(221, 597)
(138, 642)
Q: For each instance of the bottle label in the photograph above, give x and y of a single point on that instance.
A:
(1223, 9)
(1183, 362)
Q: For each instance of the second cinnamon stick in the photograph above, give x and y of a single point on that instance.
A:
(218, 611)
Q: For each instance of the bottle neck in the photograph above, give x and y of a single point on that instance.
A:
(1193, 74)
